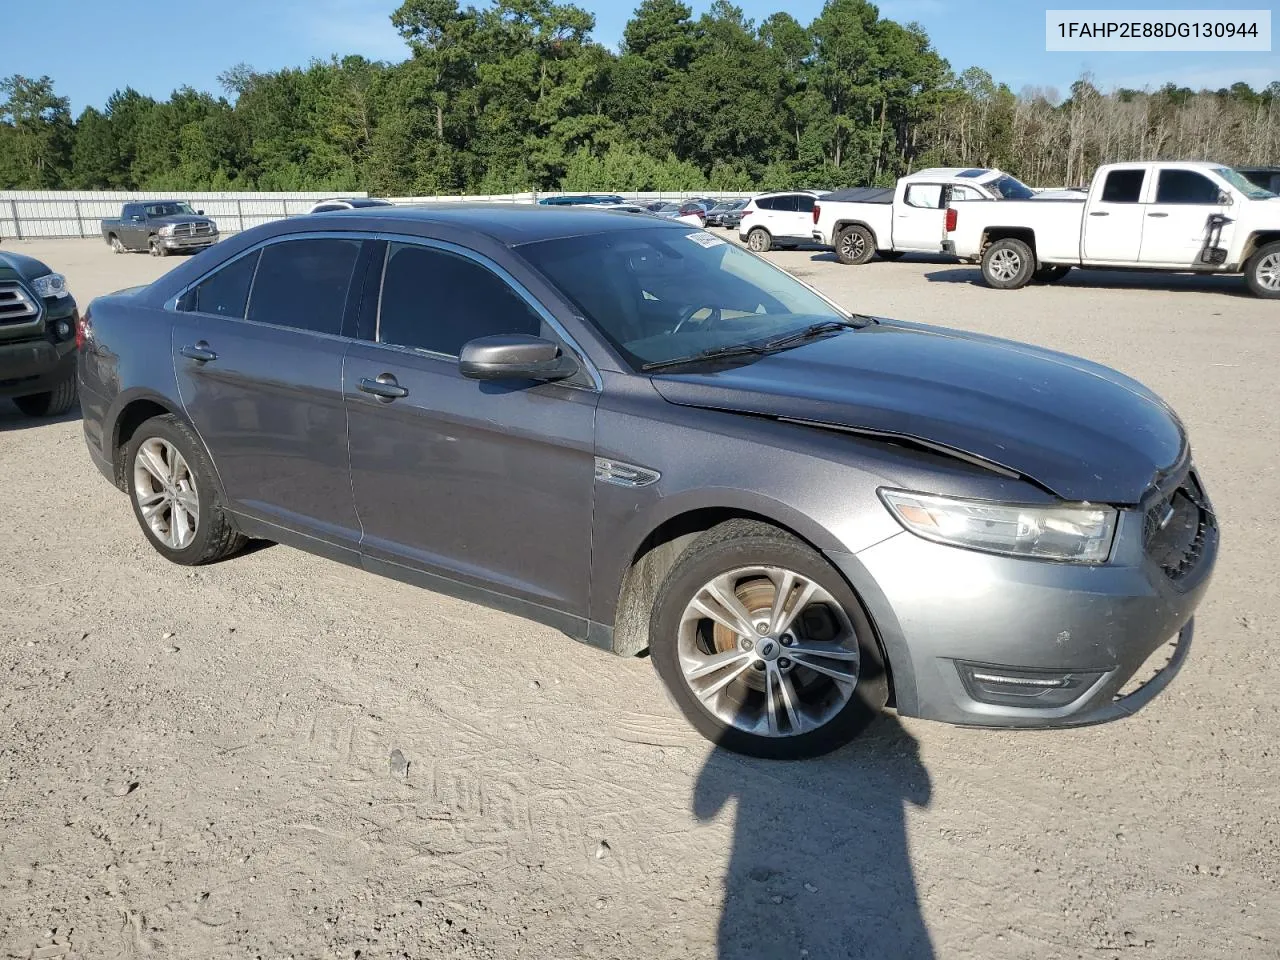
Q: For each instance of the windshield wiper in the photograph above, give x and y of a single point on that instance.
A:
(717, 353)
(808, 333)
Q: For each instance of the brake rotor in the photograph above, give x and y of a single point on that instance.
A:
(757, 597)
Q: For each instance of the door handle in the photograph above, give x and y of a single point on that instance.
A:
(1099, 213)
(1157, 214)
(198, 352)
(384, 387)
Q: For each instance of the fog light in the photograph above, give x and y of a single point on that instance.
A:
(1018, 687)
(63, 329)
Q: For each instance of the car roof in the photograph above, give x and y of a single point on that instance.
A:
(975, 174)
(508, 223)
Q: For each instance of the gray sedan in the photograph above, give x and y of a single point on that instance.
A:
(658, 442)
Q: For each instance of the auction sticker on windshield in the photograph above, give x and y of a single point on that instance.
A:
(704, 239)
(1116, 30)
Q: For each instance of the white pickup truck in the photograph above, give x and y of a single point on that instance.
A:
(913, 216)
(1174, 217)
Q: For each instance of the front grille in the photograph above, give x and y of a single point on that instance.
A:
(192, 229)
(15, 305)
(1177, 528)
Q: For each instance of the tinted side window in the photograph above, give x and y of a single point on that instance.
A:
(1123, 186)
(436, 300)
(768, 203)
(804, 204)
(1185, 186)
(225, 292)
(327, 207)
(787, 203)
(304, 283)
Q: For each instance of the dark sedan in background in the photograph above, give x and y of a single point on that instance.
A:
(656, 441)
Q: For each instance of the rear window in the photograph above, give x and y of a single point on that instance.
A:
(1123, 186)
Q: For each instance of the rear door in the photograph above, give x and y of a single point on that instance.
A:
(258, 349)
(1115, 217)
(1178, 218)
(488, 484)
(788, 219)
(920, 219)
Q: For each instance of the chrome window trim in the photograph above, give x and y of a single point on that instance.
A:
(503, 274)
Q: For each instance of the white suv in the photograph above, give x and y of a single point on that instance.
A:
(781, 219)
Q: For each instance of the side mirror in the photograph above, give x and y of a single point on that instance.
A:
(199, 213)
(515, 356)
(1224, 198)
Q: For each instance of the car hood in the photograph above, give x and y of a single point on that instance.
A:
(1078, 429)
(18, 266)
(180, 218)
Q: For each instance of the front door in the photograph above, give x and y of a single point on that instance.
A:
(1178, 219)
(487, 484)
(1114, 222)
(920, 220)
(260, 376)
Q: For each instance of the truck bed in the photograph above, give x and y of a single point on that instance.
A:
(860, 195)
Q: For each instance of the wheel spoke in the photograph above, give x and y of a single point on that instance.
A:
(784, 614)
(771, 704)
(837, 663)
(720, 604)
(716, 663)
(189, 501)
(153, 511)
(152, 463)
(789, 700)
(709, 691)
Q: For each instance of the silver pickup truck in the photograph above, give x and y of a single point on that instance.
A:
(160, 227)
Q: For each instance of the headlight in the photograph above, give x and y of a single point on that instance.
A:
(1075, 532)
(50, 285)
(166, 230)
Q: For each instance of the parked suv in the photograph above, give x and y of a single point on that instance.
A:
(38, 330)
(782, 219)
(652, 439)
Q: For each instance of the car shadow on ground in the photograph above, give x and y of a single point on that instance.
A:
(11, 418)
(820, 866)
(1113, 280)
(829, 256)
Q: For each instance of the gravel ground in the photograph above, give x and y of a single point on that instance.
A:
(282, 757)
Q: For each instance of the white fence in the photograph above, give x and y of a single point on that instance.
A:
(30, 214)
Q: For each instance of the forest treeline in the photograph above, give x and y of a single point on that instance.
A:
(514, 95)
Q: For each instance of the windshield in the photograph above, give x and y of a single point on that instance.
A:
(659, 294)
(169, 210)
(1243, 184)
(1010, 188)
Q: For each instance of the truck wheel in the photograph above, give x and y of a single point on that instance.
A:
(759, 241)
(1262, 272)
(855, 245)
(116, 245)
(157, 248)
(889, 254)
(1051, 273)
(51, 403)
(1008, 264)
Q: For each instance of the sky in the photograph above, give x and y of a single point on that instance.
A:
(92, 47)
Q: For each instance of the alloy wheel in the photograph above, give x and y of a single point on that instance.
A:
(166, 493)
(1005, 265)
(1267, 272)
(768, 651)
(852, 245)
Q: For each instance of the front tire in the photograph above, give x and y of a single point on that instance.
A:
(157, 248)
(759, 241)
(1008, 264)
(763, 646)
(174, 496)
(1262, 272)
(855, 245)
(51, 403)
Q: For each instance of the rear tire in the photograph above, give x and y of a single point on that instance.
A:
(175, 498)
(799, 691)
(759, 241)
(1262, 272)
(116, 245)
(1050, 273)
(1008, 264)
(855, 245)
(51, 403)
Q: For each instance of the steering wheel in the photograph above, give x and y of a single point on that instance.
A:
(686, 315)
